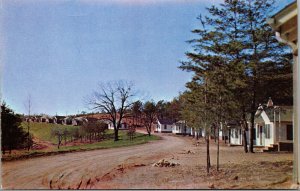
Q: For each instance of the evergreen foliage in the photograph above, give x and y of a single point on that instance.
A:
(12, 134)
(237, 64)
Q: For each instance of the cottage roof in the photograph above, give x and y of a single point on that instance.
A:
(284, 112)
(284, 23)
(166, 121)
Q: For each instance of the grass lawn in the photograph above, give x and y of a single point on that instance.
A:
(43, 132)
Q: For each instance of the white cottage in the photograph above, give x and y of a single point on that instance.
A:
(197, 132)
(274, 127)
(235, 133)
(164, 126)
(124, 126)
(224, 132)
(180, 128)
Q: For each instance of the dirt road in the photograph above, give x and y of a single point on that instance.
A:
(81, 169)
(132, 167)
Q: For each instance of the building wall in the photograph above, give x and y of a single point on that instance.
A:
(179, 129)
(281, 133)
(123, 126)
(161, 128)
(236, 136)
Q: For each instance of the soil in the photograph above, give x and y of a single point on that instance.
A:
(133, 168)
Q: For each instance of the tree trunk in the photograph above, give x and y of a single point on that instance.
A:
(116, 135)
(218, 148)
(59, 142)
(251, 133)
(229, 136)
(215, 137)
(245, 141)
(207, 154)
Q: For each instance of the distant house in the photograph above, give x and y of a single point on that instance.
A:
(124, 125)
(180, 128)
(274, 127)
(69, 121)
(79, 121)
(60, 119)
(53, 120)
(224, 132)
(164, 126)
(235, 133)
(44, 119)
(126, 122)
(199, 132)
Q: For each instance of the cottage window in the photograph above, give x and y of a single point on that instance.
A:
(165, 127)
(289, 132)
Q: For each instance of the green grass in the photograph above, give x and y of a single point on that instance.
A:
(124, 141)
(42, 131)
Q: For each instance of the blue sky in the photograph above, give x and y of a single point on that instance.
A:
(58, 51)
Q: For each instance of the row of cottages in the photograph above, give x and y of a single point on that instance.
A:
(41, 119)
(169, 126)
(75, 121)
(273, 128)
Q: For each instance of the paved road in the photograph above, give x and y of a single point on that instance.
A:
(76, 170)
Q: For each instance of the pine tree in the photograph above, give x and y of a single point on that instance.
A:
(12, 134)
(236, 56)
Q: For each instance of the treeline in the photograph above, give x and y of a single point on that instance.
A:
(237, 63)
(148, 112)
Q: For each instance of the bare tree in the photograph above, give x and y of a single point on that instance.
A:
(115, 99)
(59, 134)
(131, 132)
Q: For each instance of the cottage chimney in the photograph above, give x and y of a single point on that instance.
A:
(270, 102)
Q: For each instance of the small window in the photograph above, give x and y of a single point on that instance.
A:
(289, 132)
(267, 131)
(165, 127)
